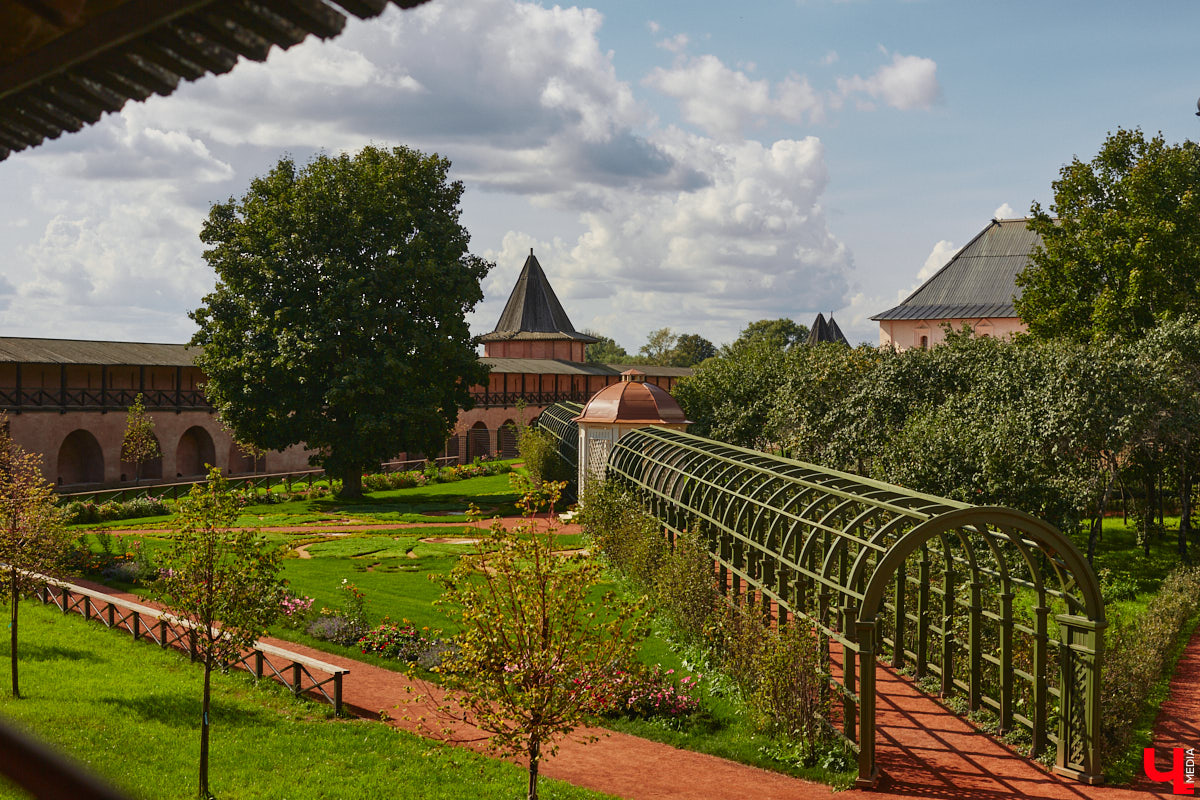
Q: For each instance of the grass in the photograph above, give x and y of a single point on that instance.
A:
(393, 568)
(129, 712)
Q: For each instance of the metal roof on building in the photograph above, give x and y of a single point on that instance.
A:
(533, 310)
(76, 351)
(549, 366)
(64, 63)
(979, 281)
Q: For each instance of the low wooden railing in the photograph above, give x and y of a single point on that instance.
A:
(80, 399)
(167, 630)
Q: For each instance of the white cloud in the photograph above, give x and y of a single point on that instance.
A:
(702, 233)
(909, 82)
(724, 101)
(829, 58)
(754, 243)
(941, 253)
(674, 44)
(1005, 211)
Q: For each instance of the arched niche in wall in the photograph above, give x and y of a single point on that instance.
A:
(80, 459)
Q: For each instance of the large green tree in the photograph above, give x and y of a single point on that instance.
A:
(338, 319)
(1120, 245)
(780, 334)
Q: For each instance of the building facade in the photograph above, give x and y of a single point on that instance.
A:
(977, 287)
(67, 399)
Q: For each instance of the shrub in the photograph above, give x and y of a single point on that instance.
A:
(787, 697)
(345, 625)
(646, 692)
(539, 450)
(628, 537)
(79, 513)
(294, 609)
(686, 588)
(1138, 646)
(404, 641)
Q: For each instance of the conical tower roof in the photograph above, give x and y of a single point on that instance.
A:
(533, 310)
(823, 330)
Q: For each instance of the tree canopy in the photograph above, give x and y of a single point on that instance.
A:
(338, 318)
(1120, 248)
(779, 334)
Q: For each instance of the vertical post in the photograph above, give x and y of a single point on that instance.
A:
(849, 672)
(1006, 660)
(1040, 644)
(17, 399)
(192, 649)
(337, 694)
(258, 664)
(137, 625)
(923, 614)
(178, 388)
(899, 625)
(1079, 699)
(162, 633)
(111, 613)
(104, 387)
(948, 625)
(87, 607)
(62, 385)
(974, 648)
(867, 772)
(295, 678)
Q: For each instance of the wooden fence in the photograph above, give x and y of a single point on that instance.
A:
(298, 672)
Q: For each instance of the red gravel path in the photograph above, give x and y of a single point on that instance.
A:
(924, 751)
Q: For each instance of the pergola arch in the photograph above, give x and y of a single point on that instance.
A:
(957, 591)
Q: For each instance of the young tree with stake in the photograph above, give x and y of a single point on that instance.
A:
(534, 636)
(140, 445)
(32, 536)
(223, 582)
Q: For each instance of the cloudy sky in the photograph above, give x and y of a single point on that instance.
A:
(691, 164)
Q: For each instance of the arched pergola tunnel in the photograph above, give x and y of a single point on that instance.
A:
(994, 604)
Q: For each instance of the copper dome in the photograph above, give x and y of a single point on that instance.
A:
(633, 400)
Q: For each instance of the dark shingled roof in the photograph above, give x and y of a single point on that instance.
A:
(78, 351)
(533, 311)
(826, 331)
(980, 281)
(64, 63)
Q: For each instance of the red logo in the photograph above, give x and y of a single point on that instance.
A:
(1183, 769)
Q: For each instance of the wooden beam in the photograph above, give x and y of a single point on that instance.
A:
(98, 35)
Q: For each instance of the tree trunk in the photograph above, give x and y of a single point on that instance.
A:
(13, 597)
(352, 483)
(1098, 520)
(204, 793)
(535, 754)
(1185, 506)
(1148, 514)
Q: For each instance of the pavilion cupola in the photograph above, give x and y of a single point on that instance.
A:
(534, 324)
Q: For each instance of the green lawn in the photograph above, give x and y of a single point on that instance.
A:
(129, 711)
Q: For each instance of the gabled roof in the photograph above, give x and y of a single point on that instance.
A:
(64, 63)
(80, 351)
(979, 281)
(533, 310)
(823, 330)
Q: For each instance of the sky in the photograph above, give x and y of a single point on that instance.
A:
(688, 164)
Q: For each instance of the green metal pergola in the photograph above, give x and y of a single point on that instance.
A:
(995, 604)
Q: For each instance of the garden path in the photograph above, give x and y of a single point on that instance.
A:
(542, 521)
(923, 749)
